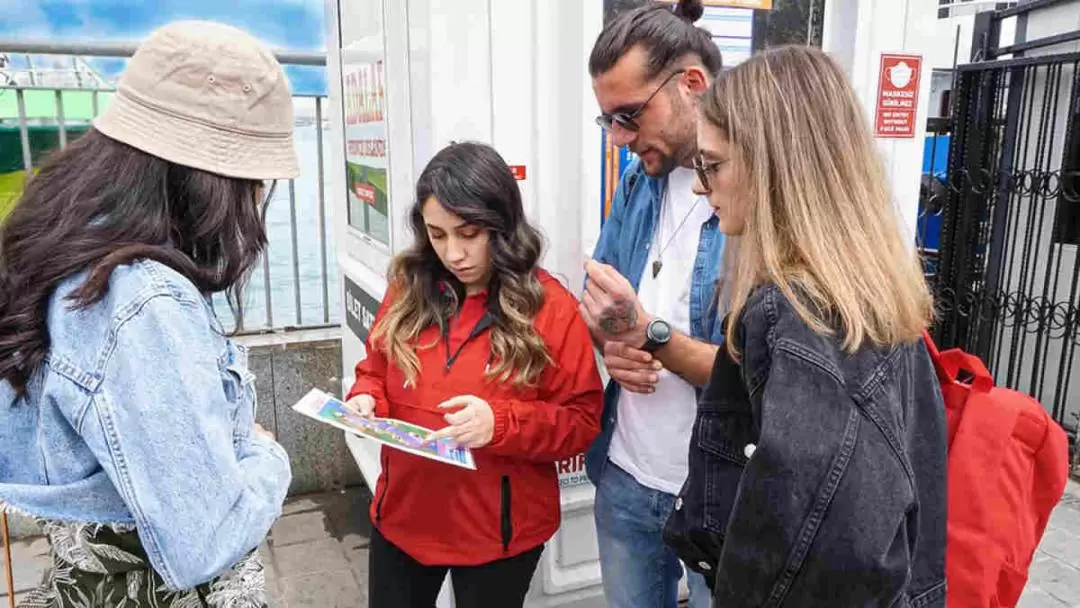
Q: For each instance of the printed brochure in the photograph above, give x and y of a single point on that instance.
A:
(391, 432)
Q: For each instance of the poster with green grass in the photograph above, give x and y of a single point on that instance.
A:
(364, 99)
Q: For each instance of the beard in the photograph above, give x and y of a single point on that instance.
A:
(679, 139)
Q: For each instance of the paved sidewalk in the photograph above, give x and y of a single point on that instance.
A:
(1054, 579)
(316, 555)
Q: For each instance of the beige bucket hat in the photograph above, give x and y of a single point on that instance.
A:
(208, 96)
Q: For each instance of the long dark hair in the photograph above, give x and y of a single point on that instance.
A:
(99, 204)
(474, 183)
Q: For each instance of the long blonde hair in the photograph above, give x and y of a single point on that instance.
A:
(821, 223)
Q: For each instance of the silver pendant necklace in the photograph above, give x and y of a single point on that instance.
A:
(665, 204)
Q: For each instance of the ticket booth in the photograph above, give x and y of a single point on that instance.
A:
(407, 78)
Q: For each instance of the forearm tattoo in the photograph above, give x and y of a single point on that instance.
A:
(618, 318)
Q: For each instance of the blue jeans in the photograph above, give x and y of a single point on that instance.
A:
(638, 569)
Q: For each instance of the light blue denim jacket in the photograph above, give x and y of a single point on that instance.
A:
(624, 244)
(143, 414)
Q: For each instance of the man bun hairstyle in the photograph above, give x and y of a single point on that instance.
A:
(666, 32)
(691, 10)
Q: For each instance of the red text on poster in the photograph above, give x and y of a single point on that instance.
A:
(897, 96)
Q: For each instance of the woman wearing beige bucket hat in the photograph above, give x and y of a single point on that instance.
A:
(127, 418)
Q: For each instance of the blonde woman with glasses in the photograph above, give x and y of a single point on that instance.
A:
(817, 462)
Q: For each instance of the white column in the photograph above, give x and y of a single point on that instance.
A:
(838, 31)
(857, 33)
(592, 20)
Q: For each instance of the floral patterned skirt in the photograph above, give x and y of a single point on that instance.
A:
(98, 566)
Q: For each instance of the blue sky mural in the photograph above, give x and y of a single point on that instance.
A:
(291, 24)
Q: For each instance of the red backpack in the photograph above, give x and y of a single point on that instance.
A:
(1008, 467)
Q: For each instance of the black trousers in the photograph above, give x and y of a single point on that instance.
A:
(396, 580)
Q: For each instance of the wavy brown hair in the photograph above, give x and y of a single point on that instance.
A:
(473, 182)
(821, 223)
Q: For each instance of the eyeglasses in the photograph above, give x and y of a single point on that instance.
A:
(704, 170)
(627, 120)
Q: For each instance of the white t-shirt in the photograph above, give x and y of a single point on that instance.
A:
(652, 436)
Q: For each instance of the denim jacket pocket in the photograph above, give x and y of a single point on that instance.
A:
(724, 429)
(719, 441)
(696, 528)
(239, 384)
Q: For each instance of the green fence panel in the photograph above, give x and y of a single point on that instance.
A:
(41, 105)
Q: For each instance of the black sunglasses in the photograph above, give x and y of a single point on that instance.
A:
(626, 120)
(704, 170)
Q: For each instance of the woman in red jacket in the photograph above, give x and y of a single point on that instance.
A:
(475, 340)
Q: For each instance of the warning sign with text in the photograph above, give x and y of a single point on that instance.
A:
(897, 96)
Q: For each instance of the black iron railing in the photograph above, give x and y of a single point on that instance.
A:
(296, 286)
(1005, 225)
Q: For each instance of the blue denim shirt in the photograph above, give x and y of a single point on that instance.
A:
(142, 414)
(624, 244)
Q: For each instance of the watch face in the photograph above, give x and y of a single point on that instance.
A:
(659, 331)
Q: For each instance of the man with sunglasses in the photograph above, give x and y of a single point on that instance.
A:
(650, 295)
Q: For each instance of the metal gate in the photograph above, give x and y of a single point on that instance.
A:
(1005, 267)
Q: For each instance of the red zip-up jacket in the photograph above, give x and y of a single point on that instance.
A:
(444, 515)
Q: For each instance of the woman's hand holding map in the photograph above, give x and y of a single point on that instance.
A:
(363, 405)
(472, 426)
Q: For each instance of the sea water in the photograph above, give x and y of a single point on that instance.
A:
(282, 311)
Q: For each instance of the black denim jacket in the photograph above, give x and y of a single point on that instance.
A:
(817, 478)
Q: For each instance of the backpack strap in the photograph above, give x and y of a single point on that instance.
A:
(951, 363)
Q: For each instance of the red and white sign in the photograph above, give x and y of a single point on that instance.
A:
(518, 171)
(365, 192)
(572, 471)
(897, 96)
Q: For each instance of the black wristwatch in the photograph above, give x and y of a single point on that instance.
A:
(657, 335)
